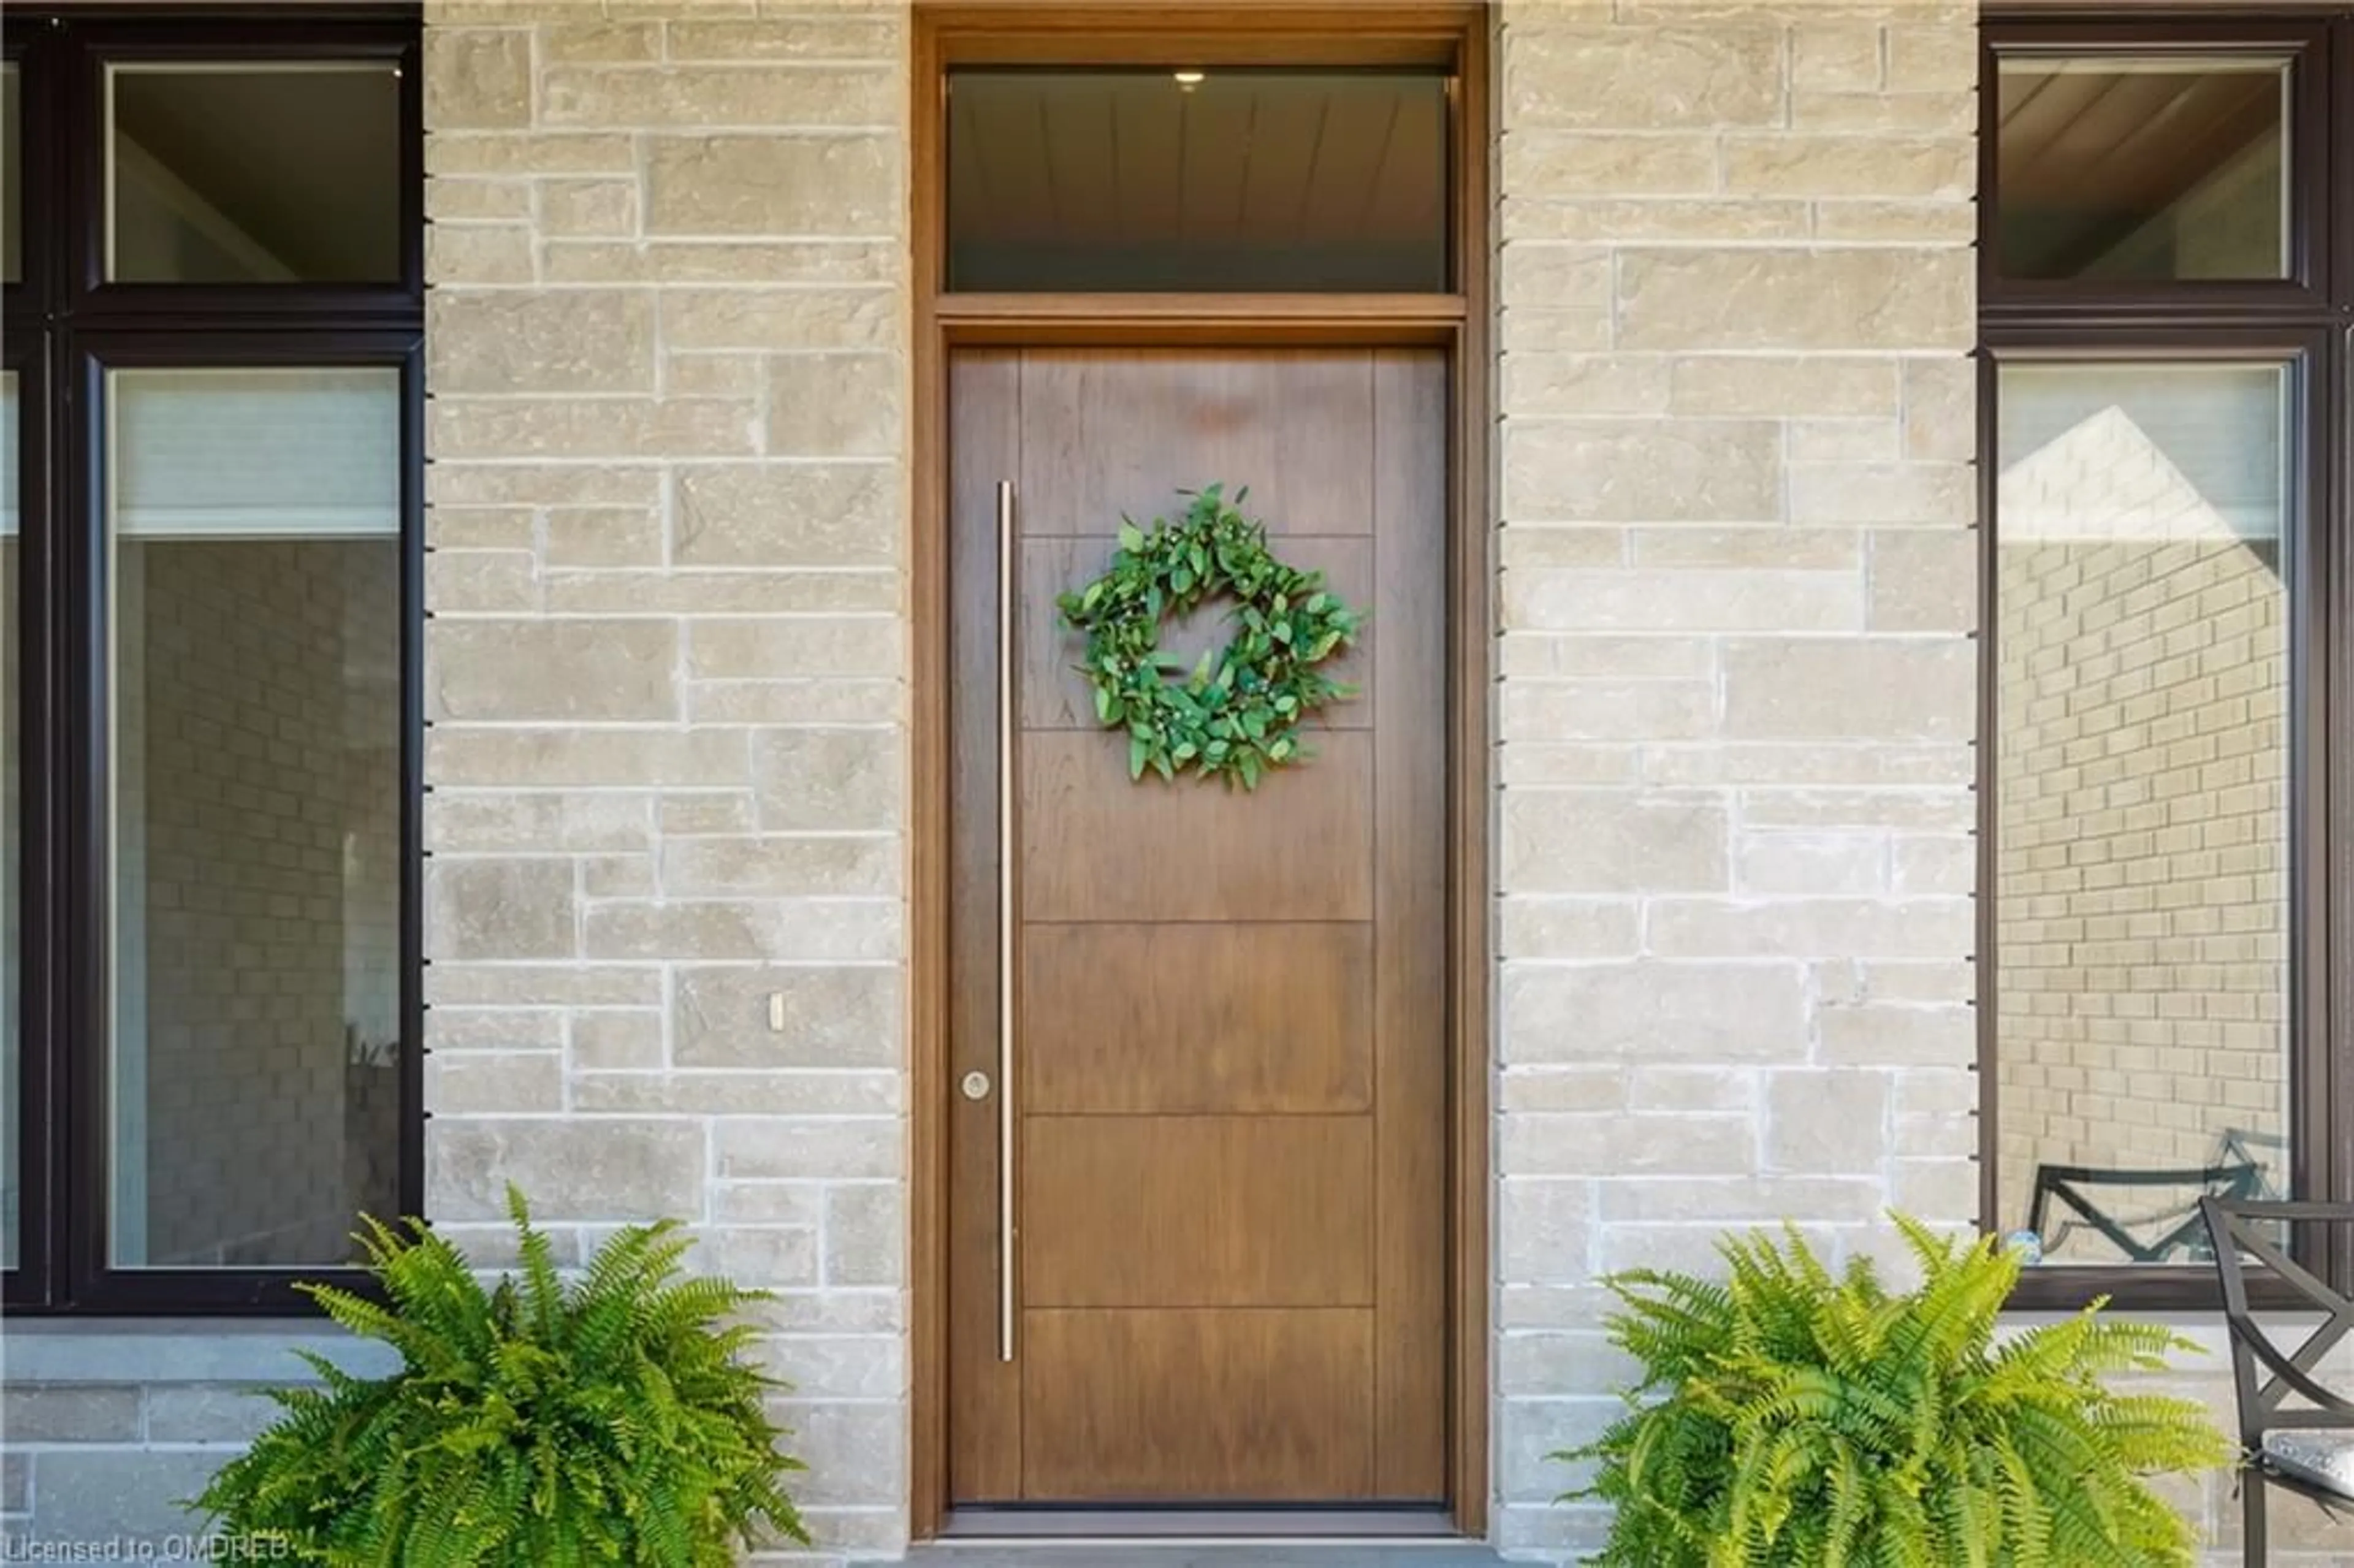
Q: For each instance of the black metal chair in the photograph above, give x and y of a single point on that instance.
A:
(2306, 1448)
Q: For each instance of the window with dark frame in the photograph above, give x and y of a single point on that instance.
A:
(210, 599)
(2166, 431)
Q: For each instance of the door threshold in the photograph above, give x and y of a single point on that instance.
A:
(1224, 1552)
(1149, 1525)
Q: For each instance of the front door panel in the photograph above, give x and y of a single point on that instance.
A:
(1229, 1071)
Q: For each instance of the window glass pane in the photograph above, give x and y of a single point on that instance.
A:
(253, 518)
(12, 177)
(2143, 170)
(2142, 745)
(1232, 179)
(11, 961)
(254, 174)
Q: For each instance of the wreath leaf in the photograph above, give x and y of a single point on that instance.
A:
(1236, 715)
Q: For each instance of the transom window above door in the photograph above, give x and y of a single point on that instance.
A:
(1215, 180)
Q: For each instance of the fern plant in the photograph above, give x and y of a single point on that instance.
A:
(1790, 1418)
(610, 1420)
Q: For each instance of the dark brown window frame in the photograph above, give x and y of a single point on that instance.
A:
(63, 328)
(2307, 322)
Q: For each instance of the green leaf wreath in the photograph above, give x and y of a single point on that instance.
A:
(1237, 713)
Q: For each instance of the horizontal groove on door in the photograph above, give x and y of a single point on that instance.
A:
(1245, 922)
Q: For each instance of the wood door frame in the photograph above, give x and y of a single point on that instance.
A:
(1224, 32)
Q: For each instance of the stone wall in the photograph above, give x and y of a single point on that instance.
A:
(1737, 697)
(108, 1423)
(666, 673)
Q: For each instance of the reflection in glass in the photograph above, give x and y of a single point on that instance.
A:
(12, 175)
(253, 174)
(1214, 180)
(11, 953)
(254, 519)
(2130, 170)
(2142, 744)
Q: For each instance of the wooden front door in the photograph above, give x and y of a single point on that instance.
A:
(1228, 1066)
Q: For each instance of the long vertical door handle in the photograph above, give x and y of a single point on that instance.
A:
(1007, 861)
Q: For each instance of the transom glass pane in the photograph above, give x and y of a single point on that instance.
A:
(254, 522)
(253, 174)
(2142, 738)
(1210, 180)
(12, 177)
(2142, 170)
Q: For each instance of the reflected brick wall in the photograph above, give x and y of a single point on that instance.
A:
(245, 803)
(2143, 895)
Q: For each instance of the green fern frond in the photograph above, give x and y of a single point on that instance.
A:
(615, 1419)
(1793, 1416)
